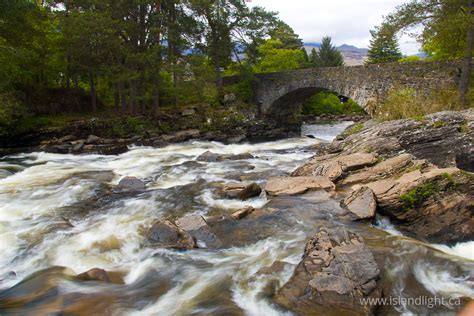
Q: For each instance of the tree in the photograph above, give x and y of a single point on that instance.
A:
(383, 47)
(448, 31)
(274, 57)
(328, 55)
(225, 23)
(285, 34)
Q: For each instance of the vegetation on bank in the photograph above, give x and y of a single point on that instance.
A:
(326, 102)
(409, 103)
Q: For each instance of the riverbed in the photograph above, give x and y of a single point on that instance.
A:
(60, 216)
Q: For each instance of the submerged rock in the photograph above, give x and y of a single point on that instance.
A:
(336, 272)
(94, 274)
(297, 185)
(242, 190)
(131, 184)
(361, 203)
(243, 212)
(164, 233)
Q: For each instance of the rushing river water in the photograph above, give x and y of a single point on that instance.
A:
(59, 216)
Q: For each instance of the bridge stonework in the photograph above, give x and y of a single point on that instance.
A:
(367, 85)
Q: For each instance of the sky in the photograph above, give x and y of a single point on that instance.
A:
(346, 21)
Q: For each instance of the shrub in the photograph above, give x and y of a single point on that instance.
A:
(11, 111)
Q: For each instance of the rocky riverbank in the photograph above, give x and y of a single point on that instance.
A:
(78, 138)
(418, 173)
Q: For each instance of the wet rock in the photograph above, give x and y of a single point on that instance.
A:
(336, 272)
(165, 234)
(181, 136)
(131, 184)
(197, 227)
(159, 143)
(67, 138)
(58, 149)
(243, 212)
(260, 212)
(94, 274)
(92, 139)
(78, 146)
(276, 268)
(361, 203)
(209, 156)
(242, 190)
(297, 185)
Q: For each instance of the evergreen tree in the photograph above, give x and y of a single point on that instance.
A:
(383, 47)
(313, 57)
(328, 55)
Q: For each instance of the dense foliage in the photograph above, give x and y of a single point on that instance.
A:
(447, 31)
(325, 102)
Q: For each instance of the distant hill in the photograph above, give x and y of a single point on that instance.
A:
(352, 55)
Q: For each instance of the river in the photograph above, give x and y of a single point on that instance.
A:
(59, 216)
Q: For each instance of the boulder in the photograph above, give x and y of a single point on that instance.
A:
(209, 156)
(164, 233)
(436, 205)
(92, 139)
(336, 272)
(196, 226)
(67, 138)
(78, 146)
(361, 203)
(297, 185)
(131, 184)
(94, 274)
(243, 212)
(242, 190)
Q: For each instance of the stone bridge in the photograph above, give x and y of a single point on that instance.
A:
(280, 93)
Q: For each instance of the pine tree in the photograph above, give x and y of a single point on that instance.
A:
(328, 55)
(383, 47)
(313, 58)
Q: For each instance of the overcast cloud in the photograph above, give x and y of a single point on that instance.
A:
(346, 21)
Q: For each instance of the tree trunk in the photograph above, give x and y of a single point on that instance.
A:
(123, 98)
(217, 67)
(117, 97)
(133, 94)
(466, 66)
(92, 91)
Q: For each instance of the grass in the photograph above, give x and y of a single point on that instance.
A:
(439, 124)
(357, 127)
(464, 128)
(404, 103)
(416, 197)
